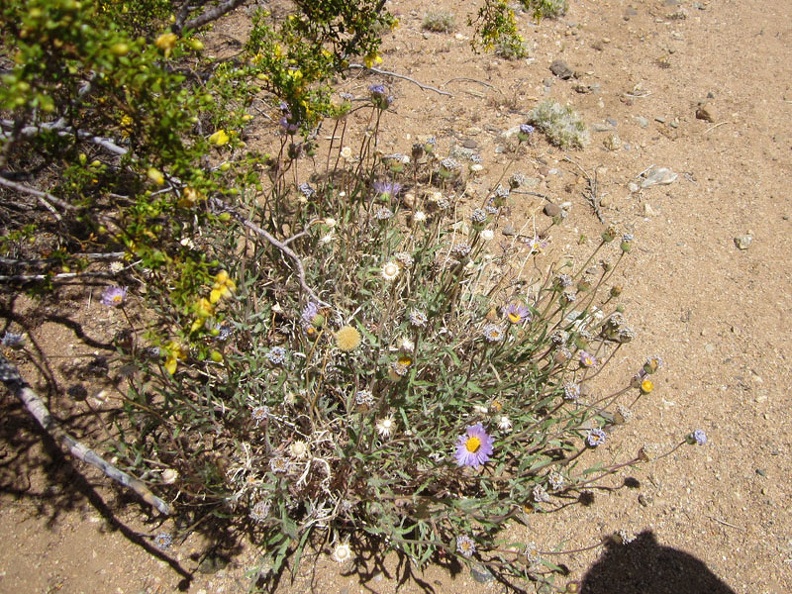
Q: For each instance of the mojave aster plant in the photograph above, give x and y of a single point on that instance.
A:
(389, 390)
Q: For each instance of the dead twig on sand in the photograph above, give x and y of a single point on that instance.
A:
(9, 375)
(403, 77)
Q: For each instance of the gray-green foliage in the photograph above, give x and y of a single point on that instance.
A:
(562, 126)
(439, 21)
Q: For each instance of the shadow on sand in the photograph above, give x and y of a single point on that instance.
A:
(646, 567)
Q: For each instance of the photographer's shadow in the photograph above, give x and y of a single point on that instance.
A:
(645, 567)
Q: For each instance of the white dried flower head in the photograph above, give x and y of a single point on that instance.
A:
(505, 424)
(487, 235)
(419, 216)
(169, 476)
(346, 153)
(330, 222)
(116, 267)
(406, 345)
(327, 239)
(476, 168)
(342, 552)
(385, 427)
(390, 271)
(298, 449)
(481, 410)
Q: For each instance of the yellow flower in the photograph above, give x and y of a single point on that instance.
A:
(372, 60)
(348, 339)
(176, 353)
(647, 386)
(166, 42)
(219, 138)
(190, 197)
(156, 176)
(223, 287)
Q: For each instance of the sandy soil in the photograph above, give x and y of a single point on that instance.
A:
(701, 88)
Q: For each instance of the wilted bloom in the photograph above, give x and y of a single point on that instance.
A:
(405, 259)
(652, 364)
(487, 235)
(536, 244)
(540, 494)
(383, 214)
(298, 449)
(595, 437)
(163, 540)
(556, 480)
(474, 448)
(385, 427)
(587, 359)
(348, 339)
(260, 414)
(279, 464)
(492, 333)
(342, 552)
(260, 511)
(571, 391)
(478, 216)
(419, 216)
(364, 398)
(390, 270)
(418, 318)
(346, 153)
(12, 340)
(698, 437)
(114, 296)
(306, 190)
(517, 312)
(276, 355)
(466, 546)
(505, 424)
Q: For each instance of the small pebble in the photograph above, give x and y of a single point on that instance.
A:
(552, 210)
(743, 242)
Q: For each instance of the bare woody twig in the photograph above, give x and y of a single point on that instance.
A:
(219, 206)
(208, 16)
(45, 198)
(9, 375)
(403, 77)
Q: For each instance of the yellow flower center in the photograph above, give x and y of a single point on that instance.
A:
(514, 318)
(472, 444)
(647, 386)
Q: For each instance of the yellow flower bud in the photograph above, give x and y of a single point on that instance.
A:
(166, 42)
(156, 176)
(219, 138)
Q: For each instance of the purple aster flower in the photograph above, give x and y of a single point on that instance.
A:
(310, 312)
(526, 129)
(474, 448)
(114, 296)
(698, 437)
(390, 188)
(380, 97)
(466, 546)
(492, 333)
(596, 437)
(587, 359)
(517, 312)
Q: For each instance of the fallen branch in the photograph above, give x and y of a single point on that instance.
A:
(9, 375)
(403, 77)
